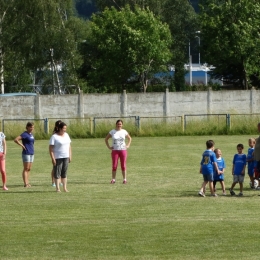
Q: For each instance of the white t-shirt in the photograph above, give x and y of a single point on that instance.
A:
(2, 137)
(61, 145)
(118, 138)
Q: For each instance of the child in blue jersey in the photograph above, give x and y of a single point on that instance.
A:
(208, 163)
(250, 161)
(238, 170)
(219, 176)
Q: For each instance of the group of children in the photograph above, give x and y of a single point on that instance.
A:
(213, 167)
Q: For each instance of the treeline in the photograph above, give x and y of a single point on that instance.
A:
(48, 46)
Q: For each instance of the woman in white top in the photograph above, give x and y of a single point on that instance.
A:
(119, 149)
(2, 159)
(60, 152)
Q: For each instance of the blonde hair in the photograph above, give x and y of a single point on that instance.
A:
(251, 140)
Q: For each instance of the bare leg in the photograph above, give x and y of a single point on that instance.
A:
(52, 177)
(3, 172)
(211, 188)
(64, 182)
(26, 173)
(223, 186)
(241, 186)
(57, 182)
(233, 185)
(203, 186)
(113, 175)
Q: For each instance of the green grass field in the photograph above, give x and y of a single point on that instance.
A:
(157, 215)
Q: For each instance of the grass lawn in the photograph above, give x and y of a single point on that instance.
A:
(156, 215)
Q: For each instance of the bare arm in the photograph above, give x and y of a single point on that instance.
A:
(5, 147)
(106, 141)
(129, 141)
(243, 171)
(216, 167)
(17, 141)
(70, 152)
(52, 154)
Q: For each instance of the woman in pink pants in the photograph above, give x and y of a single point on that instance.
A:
(2, 159)
(119, 149)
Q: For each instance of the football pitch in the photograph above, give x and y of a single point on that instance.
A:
(156, 215)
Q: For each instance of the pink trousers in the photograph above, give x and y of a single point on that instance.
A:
(2, 167)
(119, 154)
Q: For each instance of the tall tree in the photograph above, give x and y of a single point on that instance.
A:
(5, 33)
(183, 23)
(127, 44)
(31, 29)
(154, 5)
(230, 32)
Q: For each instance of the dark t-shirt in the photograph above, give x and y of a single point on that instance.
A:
(28, 142)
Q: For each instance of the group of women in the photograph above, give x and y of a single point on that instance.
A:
(60, 153)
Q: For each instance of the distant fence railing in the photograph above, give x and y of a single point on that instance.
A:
(93, 124)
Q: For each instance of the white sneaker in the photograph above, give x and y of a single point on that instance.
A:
(201, 194)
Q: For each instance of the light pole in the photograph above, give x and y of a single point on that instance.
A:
(198, 32)
(190, 66)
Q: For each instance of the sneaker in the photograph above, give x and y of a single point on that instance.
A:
(224, 193)
(214, 195)
(5, 188)
(240, 194)
(53, 185)
(201, 194)
(113, 181)
(257, 188)
(124, 181)
(232, 193)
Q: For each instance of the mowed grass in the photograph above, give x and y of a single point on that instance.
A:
(157, 215)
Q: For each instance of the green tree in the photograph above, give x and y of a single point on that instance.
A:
(154, 5)
(231, 40)
(30, 30)
(127, 45)
(183, 23)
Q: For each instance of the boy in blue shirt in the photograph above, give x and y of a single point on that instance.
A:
(238, 170)
(207, 165)
(219, 176)
(250, 161)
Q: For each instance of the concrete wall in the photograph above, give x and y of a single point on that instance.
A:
(132, 104)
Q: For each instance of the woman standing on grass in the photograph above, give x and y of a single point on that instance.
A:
(60, 152)
(119, 149)
(28, 151)
(3, 148)
(52, 171)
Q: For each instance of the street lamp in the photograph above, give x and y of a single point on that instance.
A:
(198, 32)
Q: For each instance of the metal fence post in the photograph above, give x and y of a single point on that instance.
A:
(228, 123)
(46, 126)
(137, 122)
(94, 124)
(91, 125)
(182, 123)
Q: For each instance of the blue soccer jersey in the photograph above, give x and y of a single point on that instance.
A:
(208, 158)
(239, 162)
(28, 142)
(221, 166)
(250, 156)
